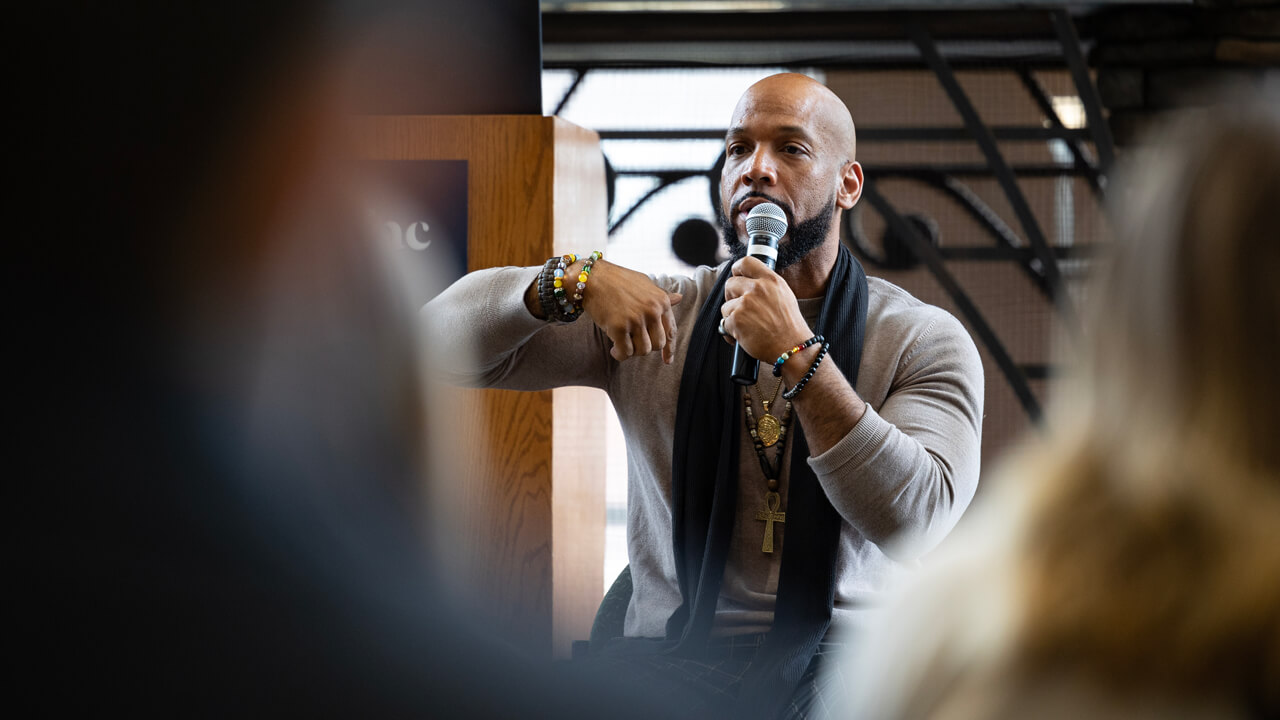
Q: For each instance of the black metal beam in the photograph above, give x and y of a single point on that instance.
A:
(1015, 254)
(665, 181)
(932, 259)
(748, 39)
(923, 171)
(1014, 133)
(1008, 246)
(666, 175)
(1038, 371)
(1004, 174)
(985, 171)
(579, 74)
(860, 25)
(1085, 88)
(987, 218)
(689, 59)
(1041, 99)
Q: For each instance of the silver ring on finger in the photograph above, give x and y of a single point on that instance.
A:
(722, 330)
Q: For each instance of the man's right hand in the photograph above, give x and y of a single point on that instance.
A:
(633, 311)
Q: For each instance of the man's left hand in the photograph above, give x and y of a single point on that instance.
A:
(760, 311)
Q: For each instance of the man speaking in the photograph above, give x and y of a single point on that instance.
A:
(763, 519)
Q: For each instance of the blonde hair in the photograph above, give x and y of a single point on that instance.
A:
(1152, 536)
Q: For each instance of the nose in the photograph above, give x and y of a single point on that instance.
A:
(760, 170)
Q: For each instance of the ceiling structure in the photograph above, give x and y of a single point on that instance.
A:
(807, 5)
(819, 33)
(1020, 37)
(586, 37)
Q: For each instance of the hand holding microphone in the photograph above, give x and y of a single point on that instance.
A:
(766, 224)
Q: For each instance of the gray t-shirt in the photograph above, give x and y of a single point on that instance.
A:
(900, 479)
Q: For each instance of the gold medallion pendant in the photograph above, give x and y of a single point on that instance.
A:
(767, 429)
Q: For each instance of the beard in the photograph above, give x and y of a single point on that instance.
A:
(805, 236)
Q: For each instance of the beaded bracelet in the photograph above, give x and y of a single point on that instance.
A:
(570, 306)
(546, 300)
(777, 364)
(584, 275)
(812, 369)
(566, 312)
(573, 308)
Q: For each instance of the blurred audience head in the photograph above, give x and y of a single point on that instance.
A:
(1182, 342)
(1153, 547)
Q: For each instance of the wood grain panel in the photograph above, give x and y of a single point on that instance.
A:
(580, 224)
(529, 515)
(506, 507)
(577, 512)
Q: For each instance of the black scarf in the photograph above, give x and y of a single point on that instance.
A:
(704, 487)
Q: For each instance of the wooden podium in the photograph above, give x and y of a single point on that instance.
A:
(526, 550)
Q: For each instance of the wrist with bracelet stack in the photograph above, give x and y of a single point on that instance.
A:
(559, 295)
(782, 359)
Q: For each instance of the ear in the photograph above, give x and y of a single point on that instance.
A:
(850, 185)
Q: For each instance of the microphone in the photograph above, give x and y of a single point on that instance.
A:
(766, 224)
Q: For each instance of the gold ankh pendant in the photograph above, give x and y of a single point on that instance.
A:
(770, 515)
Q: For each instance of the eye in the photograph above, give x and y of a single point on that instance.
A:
(793, 149)
(736, 149)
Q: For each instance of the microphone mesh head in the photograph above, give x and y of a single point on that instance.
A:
(767, 219)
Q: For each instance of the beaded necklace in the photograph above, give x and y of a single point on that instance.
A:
(764, 434)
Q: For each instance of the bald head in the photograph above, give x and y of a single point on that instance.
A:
(790, 143)
(804, 97)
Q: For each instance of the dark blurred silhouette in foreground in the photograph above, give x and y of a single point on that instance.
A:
(223, 451)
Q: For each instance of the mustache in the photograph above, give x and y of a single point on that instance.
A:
(733, 208)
